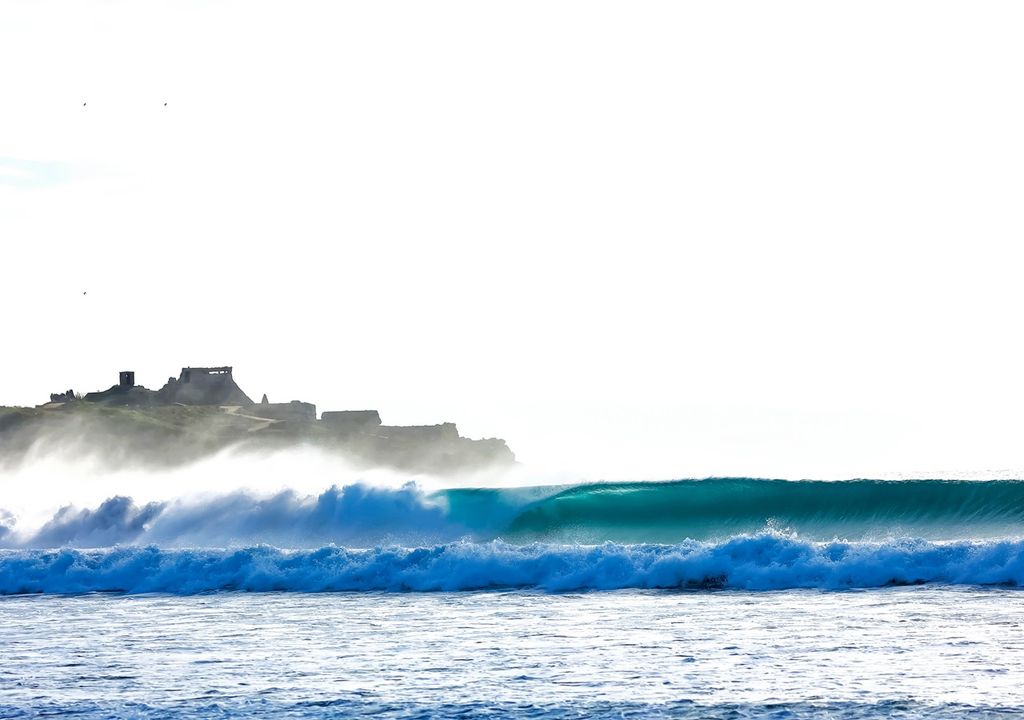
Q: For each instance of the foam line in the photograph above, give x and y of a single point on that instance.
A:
(761, 562)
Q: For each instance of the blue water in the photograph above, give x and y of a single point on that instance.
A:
(360, 515)
(913, 651)
(724, 598)
(759, 562)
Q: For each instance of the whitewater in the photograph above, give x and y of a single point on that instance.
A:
(763, 562)
(709, 533)
(404, 598)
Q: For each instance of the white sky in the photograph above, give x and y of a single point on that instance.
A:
(636, 239)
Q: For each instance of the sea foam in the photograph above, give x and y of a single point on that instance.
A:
(759, 562)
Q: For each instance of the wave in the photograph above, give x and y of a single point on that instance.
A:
(760, 562)
(355, 515)
(666, 512)
(720, 507)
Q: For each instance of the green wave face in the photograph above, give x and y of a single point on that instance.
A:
(718, 508)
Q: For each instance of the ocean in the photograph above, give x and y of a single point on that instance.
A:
(718, 598)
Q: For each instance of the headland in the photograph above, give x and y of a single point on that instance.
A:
(203, 411)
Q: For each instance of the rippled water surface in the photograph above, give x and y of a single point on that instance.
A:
(911, 651)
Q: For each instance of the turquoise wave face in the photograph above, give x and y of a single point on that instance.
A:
(718, 508)
(628, 513)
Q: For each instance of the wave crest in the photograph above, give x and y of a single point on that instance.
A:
(354, 514)
(761, 562)
(364, 515)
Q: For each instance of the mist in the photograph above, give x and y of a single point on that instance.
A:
(80, 486)
(602, 257)
(84, 486)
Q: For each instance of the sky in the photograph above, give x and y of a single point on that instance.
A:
(637, 240)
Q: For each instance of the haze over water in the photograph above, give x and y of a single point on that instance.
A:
(699, 244)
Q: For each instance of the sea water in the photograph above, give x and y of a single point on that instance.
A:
(939, 651)
(728, 598)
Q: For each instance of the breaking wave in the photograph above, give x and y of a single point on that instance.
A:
(760, 562)
(817, 509)
(364, 515)
(356, 514)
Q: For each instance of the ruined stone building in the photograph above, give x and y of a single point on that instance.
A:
(294, 410)
(203, 386)
(194, 386)
(125, 394)
(358, 432)
(345, 422)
